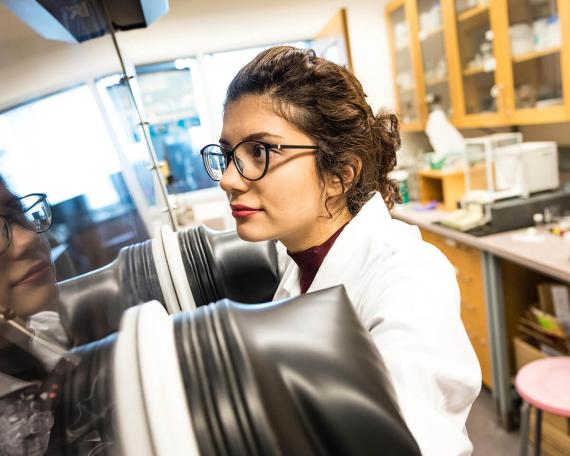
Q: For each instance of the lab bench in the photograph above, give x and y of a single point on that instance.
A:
(497, 276)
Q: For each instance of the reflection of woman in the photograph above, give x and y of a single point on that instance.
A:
(28, 293)
(304, 160)
(27, 273)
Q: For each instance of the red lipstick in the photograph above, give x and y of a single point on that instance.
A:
(241, 211)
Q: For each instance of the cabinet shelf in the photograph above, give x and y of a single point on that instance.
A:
(472, 13)
(535, 54)
(477, 70)
(426, 35)
(436, 81)
(406, 90)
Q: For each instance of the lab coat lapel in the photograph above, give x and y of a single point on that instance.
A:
(289, 285)
(351, 248)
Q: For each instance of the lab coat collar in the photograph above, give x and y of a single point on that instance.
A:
(351, 245)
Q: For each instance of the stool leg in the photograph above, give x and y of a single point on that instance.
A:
(537, 432)
(525, 418)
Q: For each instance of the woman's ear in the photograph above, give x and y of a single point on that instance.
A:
(351, 171)
(333, 186)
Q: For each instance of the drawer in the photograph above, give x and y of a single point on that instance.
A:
(460, 255)
(473, 312)
(471, 287)
(473, 318)
(469, 273)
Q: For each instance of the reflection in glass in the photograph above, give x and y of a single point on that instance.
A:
(168, 92)
(59, 145)
(121, 110)
(405, 79)
(32, 338)
(535, 47)
(477, 56)
(31, 212)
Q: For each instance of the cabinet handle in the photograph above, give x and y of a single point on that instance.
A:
(467, 278)
(463, 247)
(450, 242)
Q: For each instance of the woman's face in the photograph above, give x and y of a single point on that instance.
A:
(288, 201)
(27, 275)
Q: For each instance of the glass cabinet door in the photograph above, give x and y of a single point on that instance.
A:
(477, 56)
(434, 60)
(535, 39)
(405, 77)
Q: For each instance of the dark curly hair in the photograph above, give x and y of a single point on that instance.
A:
(326, 101)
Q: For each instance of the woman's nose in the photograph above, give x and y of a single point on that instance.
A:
(232, 180)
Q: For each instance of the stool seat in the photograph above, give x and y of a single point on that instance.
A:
(545, 384)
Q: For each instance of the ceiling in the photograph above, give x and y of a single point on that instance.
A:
(12, 29)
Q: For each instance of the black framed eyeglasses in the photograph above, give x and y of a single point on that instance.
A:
(31, 212)
(250, 157)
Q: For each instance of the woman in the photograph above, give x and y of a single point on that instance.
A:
(28, 296)
(28, 275)
(304, 160)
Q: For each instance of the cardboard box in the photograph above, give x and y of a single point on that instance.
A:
(524, 354)
(554, 298)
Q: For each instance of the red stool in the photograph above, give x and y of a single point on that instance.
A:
(545, 385)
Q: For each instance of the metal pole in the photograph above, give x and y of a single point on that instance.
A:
(498, 338)
(142, 123)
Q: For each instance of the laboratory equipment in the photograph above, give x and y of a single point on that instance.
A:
(513, 169)
(183, 270)
(276, 378)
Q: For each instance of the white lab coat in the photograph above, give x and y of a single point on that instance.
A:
(405, 292)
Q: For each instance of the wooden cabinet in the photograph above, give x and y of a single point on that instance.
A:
(447, 186)
(490, 63)
(538, 74)
(403, 37)
(468, 267)
(434, 65)
(474, 48)
(416, 37)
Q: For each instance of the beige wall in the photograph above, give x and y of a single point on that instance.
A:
(31, 66)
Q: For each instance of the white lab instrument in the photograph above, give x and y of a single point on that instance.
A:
(513, 170)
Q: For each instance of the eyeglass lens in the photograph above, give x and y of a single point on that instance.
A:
(31, 212)
(36, 212)
(215, 161)
(250, 159)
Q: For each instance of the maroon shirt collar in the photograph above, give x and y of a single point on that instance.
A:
(310, 260)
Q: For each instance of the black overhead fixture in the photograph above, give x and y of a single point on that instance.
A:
(76, 21)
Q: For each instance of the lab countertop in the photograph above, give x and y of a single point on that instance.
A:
(544, 252)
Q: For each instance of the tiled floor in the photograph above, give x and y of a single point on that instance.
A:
(488, 438)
